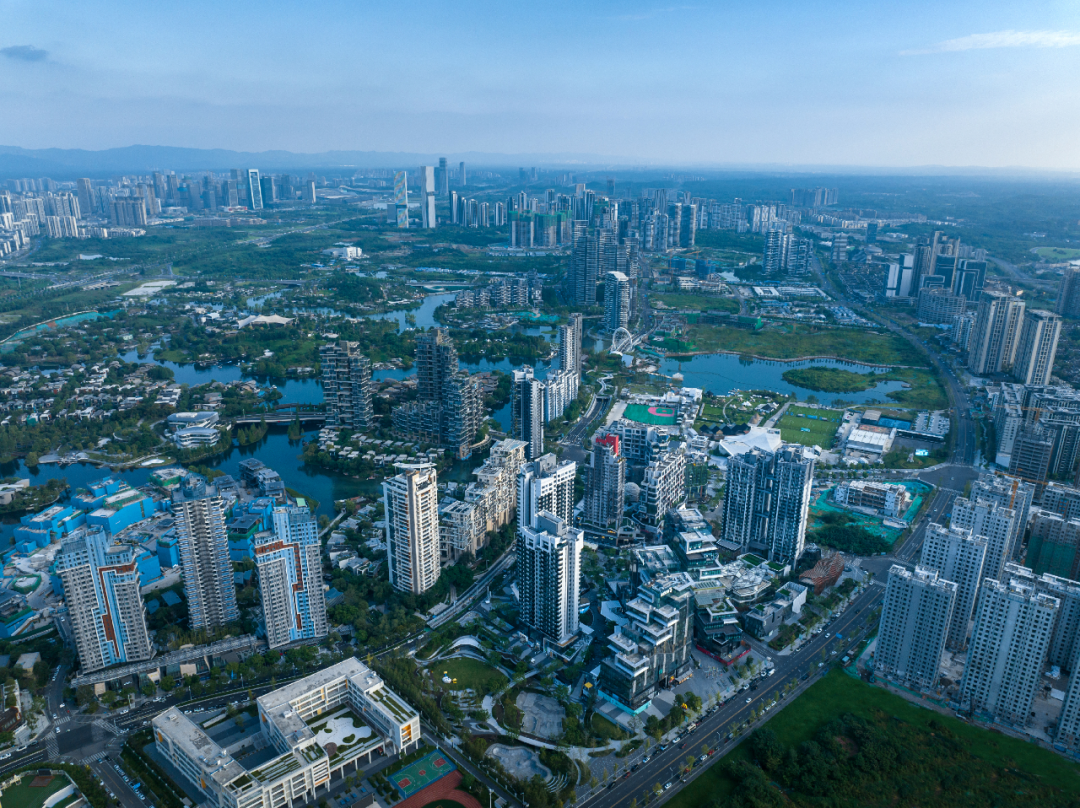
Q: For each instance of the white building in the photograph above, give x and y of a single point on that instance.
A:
(548, 576)
(312, 733)
(289, 562)
(616, 301)
(560, 391)
(915, 621)
(411, 504)
(545, 485)
(1037, 347)
(204, 553)
(994, 523)
(1013, 625)
(527, 410)
(958, 557)
(992, 348)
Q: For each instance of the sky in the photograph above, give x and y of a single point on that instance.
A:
(820, 83)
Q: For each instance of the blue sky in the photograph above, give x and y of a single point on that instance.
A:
(790, 83)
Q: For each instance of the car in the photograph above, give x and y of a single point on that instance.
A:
(667, 786)
(55, 716)
(827, 635)
(63, 706)
(682, 746)
(748, 699)
(58, 730)
(703, 758)
(634, 768)
(646, 759)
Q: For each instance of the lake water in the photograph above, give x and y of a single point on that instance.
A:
(721, 373)
(425, 314)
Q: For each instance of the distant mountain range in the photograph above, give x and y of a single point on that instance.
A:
(18, 162)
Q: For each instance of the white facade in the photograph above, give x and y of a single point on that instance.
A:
(527, 410)
(992, 348)
(411, 504)
(549, 575)
(915, 620)
(992, 522)
(289, 562)
(204, 554)
(958, 557)
(545, 485)
(616, 301)
(1037, 347)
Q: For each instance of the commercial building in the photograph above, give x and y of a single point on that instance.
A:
(289, 563)
(411, 503)
(346, 379)
(254, 189)
(616, 301)
(311, 734)
(762, 619)
(915, 621)
(997, 525)
(101, 590)
(992, 348)
(1013, 626)
(767, 502)
(545, 484)
(958, 557)
(527, 410)
(549, 575)
(605, 482)
(1037, 347)
(204, 553)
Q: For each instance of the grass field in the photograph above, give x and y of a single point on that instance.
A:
(821, 432)
(644, 414)
(838, 693)
(1055, 254)
(689, 302)
(24, 796)
(797, 341)
(470, 674)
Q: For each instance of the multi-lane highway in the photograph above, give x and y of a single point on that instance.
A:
(663, 765)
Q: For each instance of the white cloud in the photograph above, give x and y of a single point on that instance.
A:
(1002, 39)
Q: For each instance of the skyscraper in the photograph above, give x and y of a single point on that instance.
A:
(308, 194)
(915, 620)
(1068, 300)
(346, 378)
(994, 523)
(1013, 624)
(1008, 492)
(1037, 347)
(1032, 452)
(593, 255)
(545, 484)
(427, 196)
(549, 575)
(774, 258)
(767, 502)
(101, 590)
(527, 408)
(992, 347)
(958, 557)
(663, 487)
(436, 361)
(605, 479)
(401, 198)
(461, 174)
(570, 345)
(411, 503)
(289, 562)
(86, 194)
(616, 301)
(204, 553)
(254, 189)
(442, 178)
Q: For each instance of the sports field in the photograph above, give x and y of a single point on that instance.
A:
(810, 427)
(655, 414)
(422, 773)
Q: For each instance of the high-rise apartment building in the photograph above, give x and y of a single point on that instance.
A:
(411, 503)
(1013, 625)
(616, 301)
(86, 194)
(1065, 637)
(1068, 300)
(527, 410)
(605, 481)
(101, 590)
(545, 484)
(1054, 545)
(1032, 454)
(401, 199)
(570, 345)
(767, 502)
(663, 487)
(549, 576)
(1068, 727)
(992, 347)
(996, 524)
(436, 361)
(594, 254)
(958, 557)
(1011, 493)
(915, 621)
(204, 553)
(289, 562)
(427, 196)
(1037, 347)
(346, 378)
(254, 189)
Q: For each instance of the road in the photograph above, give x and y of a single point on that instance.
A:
(662, 767)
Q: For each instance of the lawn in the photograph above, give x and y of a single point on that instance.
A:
(24, 796)
(837, 693)
(820, 430)
(1057, 254)
(798, 341)
(690, 302)
(470, 674)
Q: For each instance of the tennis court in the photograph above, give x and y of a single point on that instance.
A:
(655, 414)
(422, 773)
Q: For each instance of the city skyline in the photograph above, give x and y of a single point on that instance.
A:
(967, 68)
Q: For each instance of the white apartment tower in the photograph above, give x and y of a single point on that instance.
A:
(1037, 347)
(549, 575)
(616, 301)
(289, 562)
(204, 553)
(545, 484)
(992, 347)
(101, 590)
(1008, 492)
(605, 484)
(527, 410)
(570, 345)
(914, 624)
(958, 557)
(411, 503)
(1013, 624)
(992, 522)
